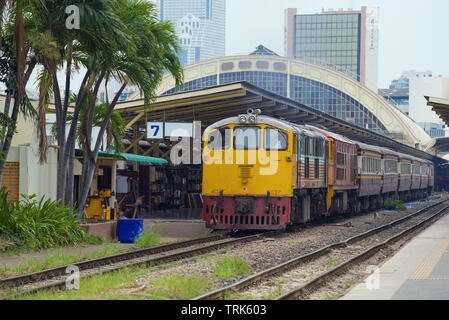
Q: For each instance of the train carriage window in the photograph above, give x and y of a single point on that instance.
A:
(274, 139)
(246, 138)
(219, 139)
(306, 146)
(415, 169)
(302, 144)
(340, 174)
(406, 168)
(306, 168)
(340, 159)
(391, 166)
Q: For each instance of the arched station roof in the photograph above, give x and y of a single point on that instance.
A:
(304, 82)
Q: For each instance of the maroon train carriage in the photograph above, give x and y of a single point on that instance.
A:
(405, 177)
(369, 177)
(416, 176)
(341, 171)
(390, 161)
(431, 178)
(426, 178)
(311, 190)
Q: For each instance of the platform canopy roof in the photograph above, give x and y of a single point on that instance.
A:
(123, 156)
(211, 104)
(440, 106)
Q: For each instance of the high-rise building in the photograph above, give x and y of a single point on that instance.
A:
(399, 91)
(344, 40)
(200, 26)
(408, 91)
(404, 80)
(434, 130)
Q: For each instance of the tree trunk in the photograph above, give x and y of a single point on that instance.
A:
(70, 178)
(5, 111)
(61, 123)
(88, 166)
(9, 135)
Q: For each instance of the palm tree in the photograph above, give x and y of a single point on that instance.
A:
(152, 50)
(16, 65)
(115, 133)
(60, 49)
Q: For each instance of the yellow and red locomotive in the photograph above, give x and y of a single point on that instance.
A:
(264, 173)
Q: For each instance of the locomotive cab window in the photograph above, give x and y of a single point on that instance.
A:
(219, 139)
(274, 139)
(246, 138)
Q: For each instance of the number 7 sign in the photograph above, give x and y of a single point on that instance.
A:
(155, 130)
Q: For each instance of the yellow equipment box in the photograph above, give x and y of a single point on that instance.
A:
(97, 207)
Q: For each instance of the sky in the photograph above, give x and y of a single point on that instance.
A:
(413, 34)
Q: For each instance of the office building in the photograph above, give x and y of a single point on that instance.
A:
(347, 41)
(200, 26)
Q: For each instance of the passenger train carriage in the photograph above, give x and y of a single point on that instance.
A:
(260, 172)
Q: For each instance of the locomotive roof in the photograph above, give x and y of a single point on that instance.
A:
(333, 135)
(369, 147)
(312, 131)
(278, 123)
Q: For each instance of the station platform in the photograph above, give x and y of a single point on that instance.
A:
(174, 214)
(177, 229)
(418, 271)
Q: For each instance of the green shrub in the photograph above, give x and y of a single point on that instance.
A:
(93, 238)
(179, 287)
(38, 224)
(390, 202)
(149, 239)
(231, 267)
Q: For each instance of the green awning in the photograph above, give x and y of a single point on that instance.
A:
(123, 156)
(138, 158)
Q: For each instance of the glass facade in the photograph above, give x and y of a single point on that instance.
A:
(334, 103)
(272, 81)
(330, 39)
(308, 92)
(194, 85)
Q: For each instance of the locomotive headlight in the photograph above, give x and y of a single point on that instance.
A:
(242, 119)
(252, 119)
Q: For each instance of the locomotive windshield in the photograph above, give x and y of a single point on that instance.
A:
(274, 139)
(246, 138)
(219, 139)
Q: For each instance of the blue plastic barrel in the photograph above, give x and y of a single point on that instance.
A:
(129, 230)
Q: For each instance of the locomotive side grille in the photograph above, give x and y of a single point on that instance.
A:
(245, 172)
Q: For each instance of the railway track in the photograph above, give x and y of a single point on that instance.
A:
(303, 275)
(56, 277)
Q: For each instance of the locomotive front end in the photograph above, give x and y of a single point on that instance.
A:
(248, 170)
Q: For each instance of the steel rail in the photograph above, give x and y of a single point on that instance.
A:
(303, 290)
(162, 257)
(221, 292)
(88, 264)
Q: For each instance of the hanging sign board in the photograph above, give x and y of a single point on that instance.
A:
(155, 130)
(161, 130)
(178, 129)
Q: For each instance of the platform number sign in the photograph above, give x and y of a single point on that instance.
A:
(155, 130)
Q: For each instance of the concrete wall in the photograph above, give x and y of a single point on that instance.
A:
(25, 127)
(36, 178)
